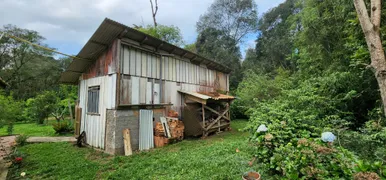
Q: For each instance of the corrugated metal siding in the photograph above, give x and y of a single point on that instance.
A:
(141, 85)
(94, 125)
(146, 140)
(140, 63)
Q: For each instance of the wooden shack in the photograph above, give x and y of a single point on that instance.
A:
(128, 79)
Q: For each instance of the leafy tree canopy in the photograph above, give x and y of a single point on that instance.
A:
(171, 34)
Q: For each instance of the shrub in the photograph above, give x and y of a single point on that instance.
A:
(16, 157)
(40, 107)
(10, 111)
(21, 140)
(63, 127)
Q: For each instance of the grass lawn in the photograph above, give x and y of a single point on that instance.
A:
(211, 158)
(33, 129)
(30, 129)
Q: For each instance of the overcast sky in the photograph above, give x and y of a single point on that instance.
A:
(68, 24)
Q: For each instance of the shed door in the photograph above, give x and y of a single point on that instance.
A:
(146, 140)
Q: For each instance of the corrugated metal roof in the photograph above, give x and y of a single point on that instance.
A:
(104, 36)
(206, 96)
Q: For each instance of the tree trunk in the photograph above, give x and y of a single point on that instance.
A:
(370, 27)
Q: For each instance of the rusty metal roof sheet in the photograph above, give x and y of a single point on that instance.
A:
(206, 96)
(110, 30)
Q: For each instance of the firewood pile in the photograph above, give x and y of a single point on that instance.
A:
(171, 129)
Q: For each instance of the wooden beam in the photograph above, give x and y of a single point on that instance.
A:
(214, 111)
(203, 114)
(144, 39)
(159, 46)
(127, 142)
(184, 54)
(99, 43)
(218, 118)
(172, 52)
(122, 34)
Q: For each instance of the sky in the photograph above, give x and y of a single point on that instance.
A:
(68, 24)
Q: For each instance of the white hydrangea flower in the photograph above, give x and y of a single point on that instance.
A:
(262, 128)
(328, 137)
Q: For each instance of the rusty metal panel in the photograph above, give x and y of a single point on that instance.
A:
(222, 81)
(149, 65)
(157, 67)
(134, 90)
(210, 80)
(125, 97)
(126, 60)
(202, 76)
(227, 82)
(142, 90)
(178, 70)
(194, 74)
(170, 69)
(156, 95)
(149, 91)
(146, 140)
(174, 69)
(153, 66)
(186, 72)
(138, 63)
(167, 92)
(143, 64)
(182, 70)
(163, 61)
(197, 74)
(132, 62)
(174, 94)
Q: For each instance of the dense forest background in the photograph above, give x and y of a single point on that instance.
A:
(308, 74)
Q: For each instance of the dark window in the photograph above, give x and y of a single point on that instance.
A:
(93, 100)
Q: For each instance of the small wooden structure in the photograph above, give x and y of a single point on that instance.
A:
(206, 112)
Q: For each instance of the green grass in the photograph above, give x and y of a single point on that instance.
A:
(32, 129)
(211, 158)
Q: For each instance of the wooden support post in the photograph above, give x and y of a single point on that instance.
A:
(127, 142)
(203, 114)
(219, 124)
(214, 111)
(229, 112)
(218, 118)
(203, 118)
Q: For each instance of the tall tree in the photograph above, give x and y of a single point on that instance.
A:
(214, 44)
(236, 18)
(171, 34)
(26, 69)
(154, 11)
(274, 45)
(371, 29)
(222, 28)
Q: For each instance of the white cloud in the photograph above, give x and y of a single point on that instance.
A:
(74, 21)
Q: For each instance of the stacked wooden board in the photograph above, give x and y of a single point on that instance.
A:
(170, 128)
